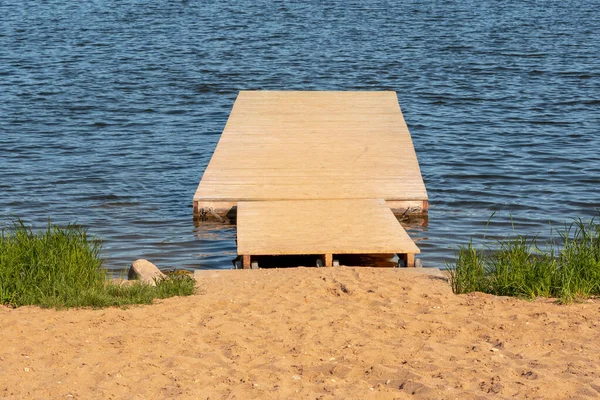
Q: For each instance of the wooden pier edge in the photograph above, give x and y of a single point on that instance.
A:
(228, 208)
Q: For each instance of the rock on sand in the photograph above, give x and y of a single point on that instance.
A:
(145, 271)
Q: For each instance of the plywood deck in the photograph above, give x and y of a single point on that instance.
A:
(321, 227)
(313, 146)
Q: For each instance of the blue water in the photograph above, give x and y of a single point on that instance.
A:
(110, 110)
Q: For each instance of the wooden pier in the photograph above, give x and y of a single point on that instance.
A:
(317, 173)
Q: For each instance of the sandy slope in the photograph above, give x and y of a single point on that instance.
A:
(307, 333)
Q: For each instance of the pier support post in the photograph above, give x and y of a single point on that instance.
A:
(246, 264)
(408, 258)
(329, 260)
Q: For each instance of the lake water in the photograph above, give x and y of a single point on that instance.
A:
(110, 110)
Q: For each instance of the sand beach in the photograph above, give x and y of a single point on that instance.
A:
(307, 333)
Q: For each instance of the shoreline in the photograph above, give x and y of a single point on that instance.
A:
(304, 333)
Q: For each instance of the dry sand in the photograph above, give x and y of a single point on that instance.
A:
(347, 333)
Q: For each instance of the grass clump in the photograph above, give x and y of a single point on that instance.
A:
(517, 267)
(61, 267)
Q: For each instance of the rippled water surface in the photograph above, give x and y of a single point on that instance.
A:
(110, 110)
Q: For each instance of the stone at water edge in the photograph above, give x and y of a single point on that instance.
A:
(145, 271)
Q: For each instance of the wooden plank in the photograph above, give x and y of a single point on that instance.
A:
(325, 227)
(313, 145)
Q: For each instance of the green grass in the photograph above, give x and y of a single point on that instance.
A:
(61, 267)
(568, 269)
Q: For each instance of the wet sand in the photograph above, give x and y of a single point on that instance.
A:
(347, 333)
